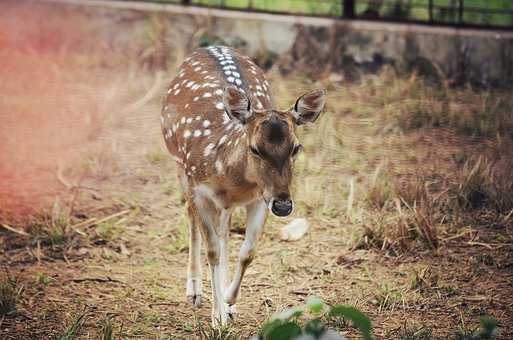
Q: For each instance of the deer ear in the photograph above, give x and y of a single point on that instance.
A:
(237, 104)
(309, 106)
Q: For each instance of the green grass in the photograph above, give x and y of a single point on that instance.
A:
(8, 295)
(443, 11)
(73, 327)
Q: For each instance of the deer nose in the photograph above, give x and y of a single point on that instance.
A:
(282, 206)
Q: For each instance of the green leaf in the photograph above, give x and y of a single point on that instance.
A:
(285, 331)
(359, 320)
(314, 327)
(488, 325)
(288, 314)
(269, 327)
(315, 305)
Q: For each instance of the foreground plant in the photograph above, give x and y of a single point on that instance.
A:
(487, 331)
(8, 296)
(312, 321)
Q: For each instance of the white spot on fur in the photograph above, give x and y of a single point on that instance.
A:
(219, 105)
(219, 166)
(223, 139)
(208, 149)
(197, 133)
(186, 134)
(206, 123)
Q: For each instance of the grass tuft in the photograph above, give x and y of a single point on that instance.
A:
(8, 295)
(218, 332)
(412, 332)
(107, 331)
(411, 103)
(74, 325)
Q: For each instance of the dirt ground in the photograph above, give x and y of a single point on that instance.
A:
(100, 229)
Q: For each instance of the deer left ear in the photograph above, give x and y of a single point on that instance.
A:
(237, 104)
(309, 106)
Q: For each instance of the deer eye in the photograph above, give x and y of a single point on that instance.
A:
(296, 150)
(254, 150)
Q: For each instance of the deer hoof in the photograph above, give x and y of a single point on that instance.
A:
(232, 312)
(194, 300)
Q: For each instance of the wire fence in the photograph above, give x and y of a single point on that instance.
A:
(461, 13)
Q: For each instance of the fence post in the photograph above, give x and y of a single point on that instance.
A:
(430, 10)
(348, 11)
(460, 12)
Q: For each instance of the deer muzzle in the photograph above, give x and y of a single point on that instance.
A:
(282, 207)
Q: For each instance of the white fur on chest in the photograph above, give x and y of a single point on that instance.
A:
(205, 191)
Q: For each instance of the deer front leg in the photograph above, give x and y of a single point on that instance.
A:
(194, 268)
(256, 215)
(208, 215)
(224, 231)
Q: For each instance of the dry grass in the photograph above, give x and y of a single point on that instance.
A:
(411, 103)
(72, 327)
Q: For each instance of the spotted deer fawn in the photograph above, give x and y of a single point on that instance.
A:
(232, 148)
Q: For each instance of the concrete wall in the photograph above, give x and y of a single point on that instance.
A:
(322, 46)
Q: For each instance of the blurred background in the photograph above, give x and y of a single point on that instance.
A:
(495, 13)
(406, 179)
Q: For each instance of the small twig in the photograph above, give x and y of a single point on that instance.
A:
(506, 218)
(14, 230)
(96, 279)
(262, 285)
(77, 225)
(457, 236)
(475, 298)
(93, 221)
(474, 243)
(164, 304)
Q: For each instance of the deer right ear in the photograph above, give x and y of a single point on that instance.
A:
(309, 106)
(237, 104)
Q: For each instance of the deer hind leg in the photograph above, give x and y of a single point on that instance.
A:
(209, 217)
(194, 268)
(256, 215)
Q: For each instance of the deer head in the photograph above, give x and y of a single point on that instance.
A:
(272, 145)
